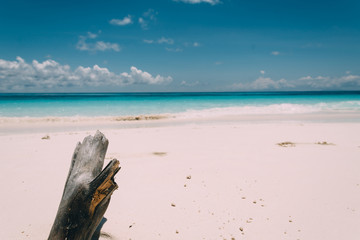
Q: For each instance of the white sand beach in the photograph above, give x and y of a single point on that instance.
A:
(214, 180)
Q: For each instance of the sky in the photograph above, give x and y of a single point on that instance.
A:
(179, 45)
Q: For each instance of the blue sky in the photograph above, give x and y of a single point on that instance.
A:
(183, 45)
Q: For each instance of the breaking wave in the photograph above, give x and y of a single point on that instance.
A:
(210, 112)
(273, 109)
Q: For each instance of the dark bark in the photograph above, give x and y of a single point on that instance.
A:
(87, 191)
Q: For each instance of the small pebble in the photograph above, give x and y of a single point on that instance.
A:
(46, 137)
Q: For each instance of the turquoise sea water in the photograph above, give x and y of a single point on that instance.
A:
(179, 104)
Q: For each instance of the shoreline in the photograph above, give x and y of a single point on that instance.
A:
(50, 124)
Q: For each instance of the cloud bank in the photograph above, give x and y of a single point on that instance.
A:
(347, 82)
(121, 22)
(263, 83)
(50, 75)
(319, 83)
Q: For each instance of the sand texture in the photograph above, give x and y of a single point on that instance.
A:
(233, 180)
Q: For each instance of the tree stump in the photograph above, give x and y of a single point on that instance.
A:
(87, 191)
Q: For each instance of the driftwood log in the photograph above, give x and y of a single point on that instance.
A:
(87, 191)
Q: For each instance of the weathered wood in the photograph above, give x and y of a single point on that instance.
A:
(87, 191)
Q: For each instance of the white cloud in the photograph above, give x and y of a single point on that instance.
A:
(122, 22)
(191, 84)
(212, 2)
(351, 82)
(170, 41)
(191, 44)
(161, 40)
(347, 82)
(22, 76)
(103, 46)
(173, 49)
(81, 44)
(92, 35)
(137, 76)
(275, 53)
(85, 45)
(263, 83)
(165, 40)
(150, 14)
(318, 82)
(350, 78)
(305, 78)
(143, 23)
(147, 17)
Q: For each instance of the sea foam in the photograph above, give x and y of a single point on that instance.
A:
(250, 110)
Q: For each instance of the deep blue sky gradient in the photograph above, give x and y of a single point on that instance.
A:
(235, 39)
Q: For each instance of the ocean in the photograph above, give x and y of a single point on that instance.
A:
(178, 105)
